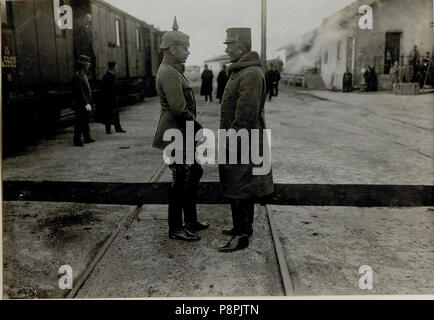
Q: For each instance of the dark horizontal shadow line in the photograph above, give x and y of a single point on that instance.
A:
(353, 195)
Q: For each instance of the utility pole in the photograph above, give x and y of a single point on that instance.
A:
(264, 33)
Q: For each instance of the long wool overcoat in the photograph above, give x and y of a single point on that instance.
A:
(243, 107)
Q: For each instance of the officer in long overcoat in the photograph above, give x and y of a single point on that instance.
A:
(81, 93)
(243, 108)
(222, 79)
(178, 106)
(110, 110)
(206, 87)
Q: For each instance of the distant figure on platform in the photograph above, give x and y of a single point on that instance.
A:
(406, 72)
(371, 79)
(269, 79)
(347, 81)
(276, 80)
(222, 79)
(394, 73)
(82, 99)
(109, 106)
(206, 88)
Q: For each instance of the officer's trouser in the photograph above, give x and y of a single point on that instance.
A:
(114, 119)
(242, 216)
(183, 195)
(81, 126)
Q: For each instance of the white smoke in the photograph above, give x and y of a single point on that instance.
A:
(306, 53)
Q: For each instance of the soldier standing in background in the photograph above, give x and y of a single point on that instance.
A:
(206, 88)
(110, 108)
(347, 81)
(82, 98)
(178, 105)
(222, 79)
(269, 82)
(393, 73)
(276, 80)
(243, 108)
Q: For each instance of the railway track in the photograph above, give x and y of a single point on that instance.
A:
(286, 281)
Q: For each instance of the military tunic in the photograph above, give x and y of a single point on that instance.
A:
(178, 106)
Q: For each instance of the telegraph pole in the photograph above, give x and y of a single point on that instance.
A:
(264, 33)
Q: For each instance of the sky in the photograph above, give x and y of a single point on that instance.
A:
(206, 21)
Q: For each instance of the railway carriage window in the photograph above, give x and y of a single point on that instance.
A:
(118, 33)
(6, 14)
(138, 42)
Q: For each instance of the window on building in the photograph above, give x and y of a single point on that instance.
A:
(6, 14)
(338, 51)
(118, 33)
(138, 42)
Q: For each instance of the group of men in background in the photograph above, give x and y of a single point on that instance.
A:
(272, 78)
(107, 111)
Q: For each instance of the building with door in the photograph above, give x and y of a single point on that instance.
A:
(339, 43)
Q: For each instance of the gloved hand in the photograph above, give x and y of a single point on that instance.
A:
(88, 107)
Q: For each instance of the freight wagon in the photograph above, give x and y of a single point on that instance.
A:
(41, 40)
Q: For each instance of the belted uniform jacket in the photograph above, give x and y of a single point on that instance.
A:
(243, 108)
(178, 104)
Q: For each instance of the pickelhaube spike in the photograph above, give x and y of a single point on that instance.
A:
(175, 26)
(174, 37)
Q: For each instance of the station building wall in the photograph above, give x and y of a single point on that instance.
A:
(408, 18)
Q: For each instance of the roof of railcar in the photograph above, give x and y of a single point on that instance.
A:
(102, 2)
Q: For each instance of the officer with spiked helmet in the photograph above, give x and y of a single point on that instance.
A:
(178, 106)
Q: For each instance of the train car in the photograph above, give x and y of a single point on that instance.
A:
(37, 64)
(41, 40)
(106, 33)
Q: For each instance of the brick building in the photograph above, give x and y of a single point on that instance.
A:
(339, 43)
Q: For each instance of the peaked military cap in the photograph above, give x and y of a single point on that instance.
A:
(238, 35)
(83, 59)
(175, 37)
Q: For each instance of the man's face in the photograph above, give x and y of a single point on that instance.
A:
(180, 53)
(233, 50)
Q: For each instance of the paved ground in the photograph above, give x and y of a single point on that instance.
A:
(317, 137)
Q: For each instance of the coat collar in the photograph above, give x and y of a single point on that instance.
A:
(248, 60)
(170, 62)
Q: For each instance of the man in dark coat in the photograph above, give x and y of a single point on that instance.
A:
(347, 81)
(82, 98)
(222, 79)
(178, 108)
(269, 78)
(276, 80)
(206, 88)
(373, 77)
(109, 106)
(242, 110)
